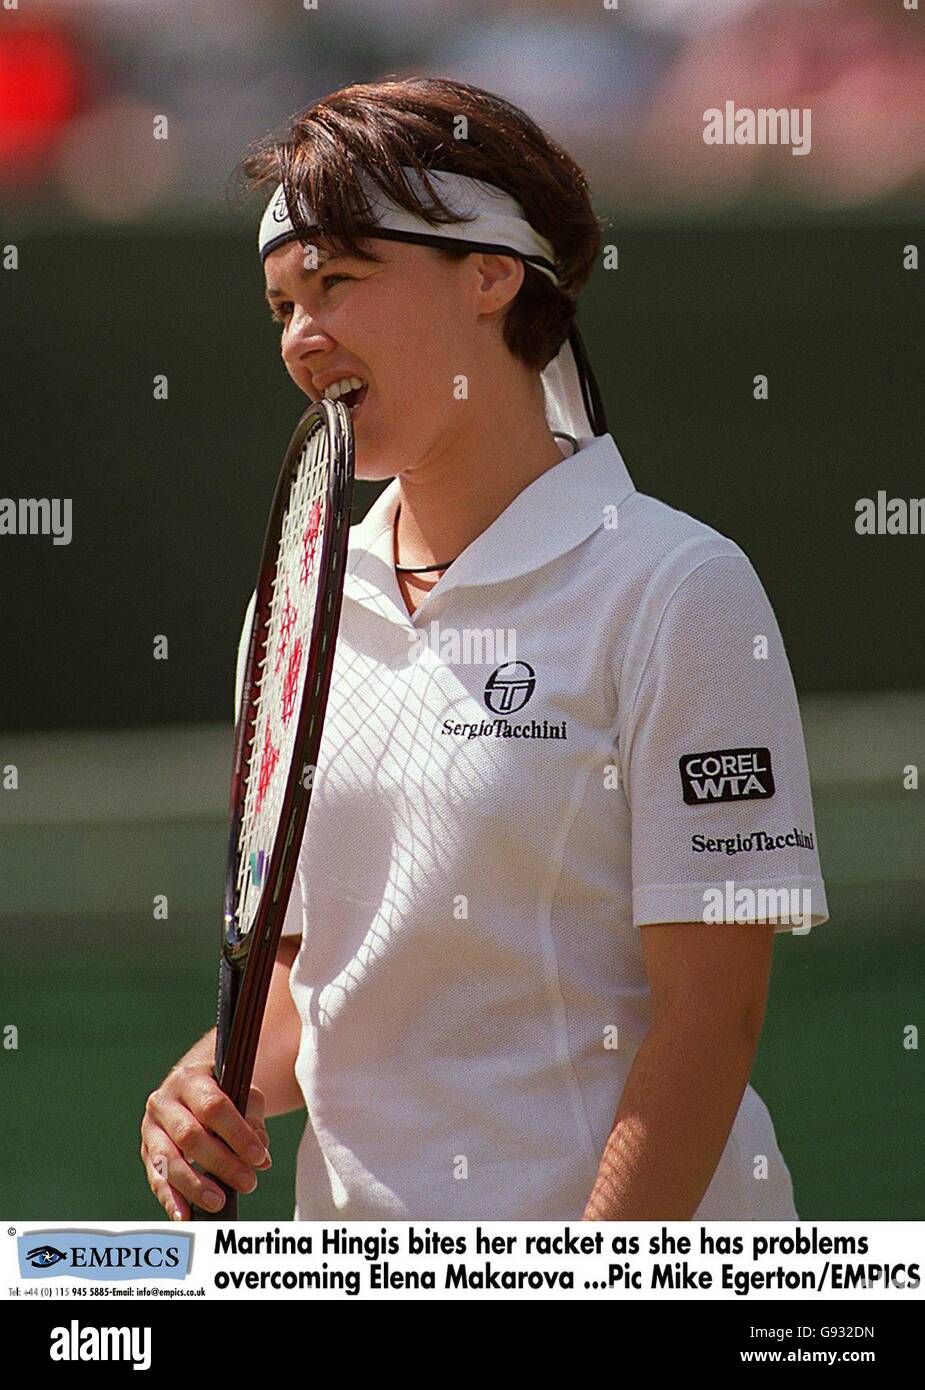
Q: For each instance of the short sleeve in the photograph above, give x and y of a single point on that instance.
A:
(713, 756)
(292, 923)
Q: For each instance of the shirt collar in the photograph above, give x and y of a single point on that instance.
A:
(556, 512)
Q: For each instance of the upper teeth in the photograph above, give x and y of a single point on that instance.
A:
(340, 388)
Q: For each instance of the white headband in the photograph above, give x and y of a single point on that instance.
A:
(496, 224)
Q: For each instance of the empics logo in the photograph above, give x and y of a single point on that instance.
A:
(102, 1255)
(76, 1343)
(729, 774)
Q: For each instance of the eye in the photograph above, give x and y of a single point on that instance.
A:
(327, 280)
(281, 312)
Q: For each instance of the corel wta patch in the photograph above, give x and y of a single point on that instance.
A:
(730, 774)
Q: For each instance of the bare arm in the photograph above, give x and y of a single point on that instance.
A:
(189, 1119)
(274, 1070)
(709, 992)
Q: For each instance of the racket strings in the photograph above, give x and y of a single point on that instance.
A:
(282, 669)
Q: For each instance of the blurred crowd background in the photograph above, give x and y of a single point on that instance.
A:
(623, 87)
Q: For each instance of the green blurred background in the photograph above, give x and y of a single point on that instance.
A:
(135, 260)
(170, 496)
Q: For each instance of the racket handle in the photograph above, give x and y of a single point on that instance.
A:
(229, 981)
(229, 1212)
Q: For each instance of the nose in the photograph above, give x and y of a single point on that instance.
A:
(302, 342)
(303, 331)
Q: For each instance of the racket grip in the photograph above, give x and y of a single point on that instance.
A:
(229, 1212)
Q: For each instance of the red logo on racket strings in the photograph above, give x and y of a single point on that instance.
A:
(286, 625)
(310, 541)
(269, 757)
(291, 681)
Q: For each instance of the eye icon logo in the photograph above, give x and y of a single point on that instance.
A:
(44, 1256)
(509, 687)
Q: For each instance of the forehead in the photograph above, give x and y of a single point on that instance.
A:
(294, 255)
(291, 259)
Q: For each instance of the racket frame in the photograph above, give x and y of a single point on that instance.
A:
(247, 960)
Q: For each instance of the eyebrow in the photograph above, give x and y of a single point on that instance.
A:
(325, 258)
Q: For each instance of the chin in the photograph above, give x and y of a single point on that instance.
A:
(376, 462)
(367, 471)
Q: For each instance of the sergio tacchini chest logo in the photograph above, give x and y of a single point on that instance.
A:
(509, 687)
(507, 690)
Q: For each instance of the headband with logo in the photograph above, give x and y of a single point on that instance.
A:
(496, 223)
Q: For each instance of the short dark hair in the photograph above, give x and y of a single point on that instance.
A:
(375, 128)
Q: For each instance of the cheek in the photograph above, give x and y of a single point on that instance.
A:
(420, 353)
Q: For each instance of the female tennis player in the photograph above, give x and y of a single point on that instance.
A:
(562, 805)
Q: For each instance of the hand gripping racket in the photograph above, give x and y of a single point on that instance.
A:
(280, 721)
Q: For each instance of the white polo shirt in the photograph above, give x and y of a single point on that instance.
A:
(494, 819)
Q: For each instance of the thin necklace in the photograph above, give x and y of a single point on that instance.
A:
(430, 569)
(416, 569)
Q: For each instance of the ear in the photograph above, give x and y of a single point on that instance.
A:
(498, 279)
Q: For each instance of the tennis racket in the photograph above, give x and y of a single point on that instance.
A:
(280, 721)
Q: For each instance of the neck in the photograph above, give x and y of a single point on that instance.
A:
(451, 498)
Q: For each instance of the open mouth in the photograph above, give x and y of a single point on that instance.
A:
(355, 398)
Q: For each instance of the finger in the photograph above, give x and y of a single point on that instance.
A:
(200, 1094)
(193, 1143)
(155, 1165)
(192, 1189)
(167, 1169)
(170, 1198)
(256, 1107)
(216, 1114)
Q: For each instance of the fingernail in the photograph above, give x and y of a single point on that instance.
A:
(256, 1155)
(213, 1201)
(175, 1214)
